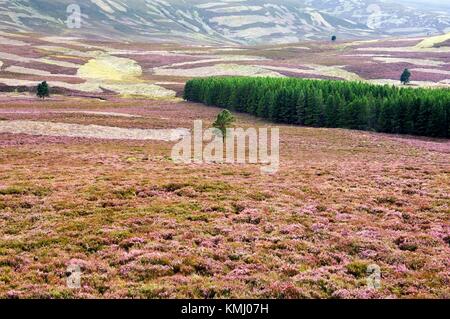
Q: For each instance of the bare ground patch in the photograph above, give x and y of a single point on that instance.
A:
(90, 131)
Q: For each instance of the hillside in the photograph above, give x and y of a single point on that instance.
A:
(97, 69)
(239, 22)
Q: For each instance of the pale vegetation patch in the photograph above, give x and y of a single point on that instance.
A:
(367, 55)
(361, 42)
(433, 41)
(424, 62)
(236, 9)
(103, 5)
(258, 32)
(282, 68)
(110, 68)
(413, 84)
(314, 69)
(14, 57)
(63, 64)
(435, 71)
(294, 47)
(120, 75)
(15, 35)
(112, 114)
(124, 89)
(90, 131)
(219, 70)
(405, 49)
(219, 58)
(29, 71)
(18, 58)
(70, 51)
(333, 71)
(90, 87)
(169, 83)
(7, 41)
(237, 21)
(140, 89)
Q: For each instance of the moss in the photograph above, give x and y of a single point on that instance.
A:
(61, 294)
(32, 245)
(13, 190)
(386, 200)
(182, 209)
(259, 196)
(210, 187)
(357, 268)
(120, 235)
(217, 208)
(408, 247)
(172, 187)
(24, 190)
(151, 291)
(198, 218)
(5, 277)
(40, 191)
(126, 193)
(164, 261)
(92, 245)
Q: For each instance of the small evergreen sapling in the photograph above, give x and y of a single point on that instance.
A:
(405, 77)
(43, 90)
(224, 121)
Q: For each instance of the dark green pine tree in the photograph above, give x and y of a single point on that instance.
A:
(436, 121)
(319, 110)
(312, 101)
(187, 94)
(405, 78)
(423, 115)
(286, 112)
(224, 96)
(309, 107)
(300, 108)
(263, 105)
(233, 100)
(272, 106)
(43, 90)
(331, 112)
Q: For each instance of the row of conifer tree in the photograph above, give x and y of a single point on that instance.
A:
(336, 104)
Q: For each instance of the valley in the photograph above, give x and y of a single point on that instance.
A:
(88, 181)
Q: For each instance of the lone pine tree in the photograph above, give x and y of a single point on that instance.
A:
(405, 78)
(43, 90)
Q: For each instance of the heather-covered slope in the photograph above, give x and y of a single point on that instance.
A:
(98, 69)
(244, 21)
(140, 226)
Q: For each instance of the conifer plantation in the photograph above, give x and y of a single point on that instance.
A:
(334, 104)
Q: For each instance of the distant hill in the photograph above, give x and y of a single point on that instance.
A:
(226, 21)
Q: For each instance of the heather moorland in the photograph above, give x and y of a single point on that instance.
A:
(87, 178)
